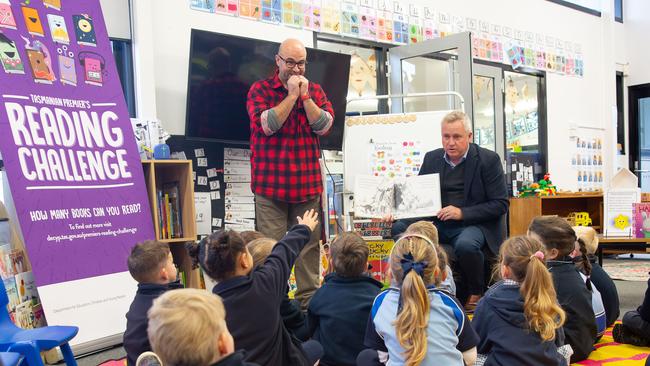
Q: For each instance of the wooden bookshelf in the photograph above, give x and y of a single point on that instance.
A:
(523, 210)
(156, 174)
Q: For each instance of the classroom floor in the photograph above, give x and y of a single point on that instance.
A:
(630, 293)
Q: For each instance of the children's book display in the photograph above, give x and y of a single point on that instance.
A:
(641, 219)
(169, 207)
(24, 304)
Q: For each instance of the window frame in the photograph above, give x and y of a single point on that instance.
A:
(577, 7)
(122, 50)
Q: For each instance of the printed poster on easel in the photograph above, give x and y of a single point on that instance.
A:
(72, 162)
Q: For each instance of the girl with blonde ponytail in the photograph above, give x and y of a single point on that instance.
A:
(414, 323)
(519, 319)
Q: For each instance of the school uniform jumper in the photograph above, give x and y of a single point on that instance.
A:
(135, 336)
(607, 289)
(234, 359)
(252, 305)
(575, 299)
(505, 336)
(338, 314)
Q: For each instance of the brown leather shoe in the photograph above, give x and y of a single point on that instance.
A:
(470, 305)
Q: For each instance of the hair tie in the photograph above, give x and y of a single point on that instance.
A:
(408, 264)
(539, 255)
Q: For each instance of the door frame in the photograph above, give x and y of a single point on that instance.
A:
(495, 73)
(461, 42)
(635, 92)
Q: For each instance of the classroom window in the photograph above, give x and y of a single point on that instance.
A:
(618, 10)
(123, 54)
(592, 7)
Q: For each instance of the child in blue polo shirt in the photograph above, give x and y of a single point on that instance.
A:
(413, 322)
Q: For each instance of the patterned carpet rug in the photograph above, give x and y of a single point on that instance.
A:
(610, 353)
(628, 269)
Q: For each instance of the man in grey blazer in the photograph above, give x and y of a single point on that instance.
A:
(474, 202)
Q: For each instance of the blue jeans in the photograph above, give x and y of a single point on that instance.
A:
(467, 242)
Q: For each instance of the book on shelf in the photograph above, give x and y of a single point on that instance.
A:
(6, 269)
(12, 293)
(26, 287)
(641, 219)
(373, 229)
(169, 211)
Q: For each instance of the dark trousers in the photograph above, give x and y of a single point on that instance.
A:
(467, 243)
(639, 321)
(273, 219)
(313, 351)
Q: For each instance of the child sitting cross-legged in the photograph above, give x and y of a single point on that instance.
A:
(151, 264)
(252, 295)
(519, 320)
(428, 229)
(338, 311)
(188, 328)
(414, 323)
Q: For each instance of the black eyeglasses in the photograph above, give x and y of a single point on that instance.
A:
(291, 63)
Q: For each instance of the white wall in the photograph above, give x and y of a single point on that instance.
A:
(162, 33)
(636, 18)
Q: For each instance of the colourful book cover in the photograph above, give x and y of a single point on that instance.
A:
(311, 15)
(250, 9)
(12, 293)
(641, 221)
(26, 287)
(378, 258)
(7, 19)
(6, 270)
(17, 258)
(52, 4)
(33, 21)
(24, 315)
(58, 29)
(84, 30)
(39, 316)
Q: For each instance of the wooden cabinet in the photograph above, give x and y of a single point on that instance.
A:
(523, 210)
(158, 173)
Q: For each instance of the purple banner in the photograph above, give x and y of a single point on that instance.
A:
(67, 141)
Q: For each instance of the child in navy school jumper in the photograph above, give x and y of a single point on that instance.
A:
(152, 265)
(428, 229)
(582, 262)
(338, 312)
(188, 327)
(293, 317)
(635, 328)
(413, 322)
(252, 295)
(598, 276)
(559, 239)
(519, 320)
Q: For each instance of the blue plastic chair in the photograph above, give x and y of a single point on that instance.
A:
(30, 342)
(10, 358)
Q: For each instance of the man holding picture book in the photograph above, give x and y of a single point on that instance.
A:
(474, 203)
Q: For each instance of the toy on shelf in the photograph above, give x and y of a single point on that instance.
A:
(544, 187)
(579, 219)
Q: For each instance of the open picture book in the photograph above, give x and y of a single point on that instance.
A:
(416, 196)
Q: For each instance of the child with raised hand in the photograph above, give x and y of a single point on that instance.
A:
(413, 323)
(598, 276)
(338, 312)
(292, 316)
(188, 327)
(558, 239)
(152, 265)
(252, 295)
(519, 320)
(428, 229)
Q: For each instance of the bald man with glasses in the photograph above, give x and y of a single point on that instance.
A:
(287, 114)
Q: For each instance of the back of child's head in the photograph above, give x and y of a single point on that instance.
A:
(249, 235)
(184, 326)
(556, 233)
(414, 266)
(260, 249)
(349, 253)
(428, 229)
(147, 259)
(524, 257)
(589, 236)
(217, 254)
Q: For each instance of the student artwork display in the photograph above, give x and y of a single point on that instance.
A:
(587, 160)
(239, 199)
(396, 159)
(379, 21)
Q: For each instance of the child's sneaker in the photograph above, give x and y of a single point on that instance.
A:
(622, 334)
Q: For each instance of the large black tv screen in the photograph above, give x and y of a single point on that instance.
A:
(222, 69)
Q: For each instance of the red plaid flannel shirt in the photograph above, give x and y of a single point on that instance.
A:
(284, 166)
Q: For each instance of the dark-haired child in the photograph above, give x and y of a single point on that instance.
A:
(151, 264)
(559, 239)
(252, 295)
(635, 328)
(338, 312)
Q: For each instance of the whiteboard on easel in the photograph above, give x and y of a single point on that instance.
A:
(389, 145)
